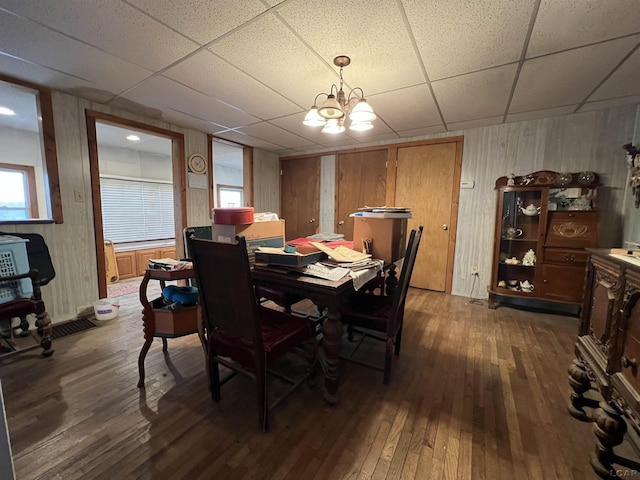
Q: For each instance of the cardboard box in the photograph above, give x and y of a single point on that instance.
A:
(251, 231)
(388, 237)
(257, 234)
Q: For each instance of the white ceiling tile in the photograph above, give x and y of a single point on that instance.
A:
(418, 132)
(112, 26)
(239, 137)
(623, 82)
(277, 135)
(372, 137)
(162, 92)
(459, 36)
(268, 51)
(568, 77)
(34, 73)
(188, 121)
(616, 102)
(216, 78)
(371, 32)
(293, 124)
(475, 95)
(482, 122)
(202, 20)
(549, 112)
(411, 107)
(55, 51)
(563, 24)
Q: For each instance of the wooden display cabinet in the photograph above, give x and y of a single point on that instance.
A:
(544, 221)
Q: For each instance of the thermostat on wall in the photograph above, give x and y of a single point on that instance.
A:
(467, 184)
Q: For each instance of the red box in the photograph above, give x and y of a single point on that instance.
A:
(232, 216)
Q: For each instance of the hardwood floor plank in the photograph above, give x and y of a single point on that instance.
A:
(475, 394)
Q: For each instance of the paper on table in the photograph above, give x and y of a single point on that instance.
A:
(341, 253)
(321, 271)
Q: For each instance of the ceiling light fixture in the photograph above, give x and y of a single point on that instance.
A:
(331, 114)
(133, 138)
(6, 111)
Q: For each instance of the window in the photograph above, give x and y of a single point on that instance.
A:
(29, 167)
(18, 199)
(230, 196)
(136, 210)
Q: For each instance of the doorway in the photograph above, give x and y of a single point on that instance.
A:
(103, 130)
(427, 179)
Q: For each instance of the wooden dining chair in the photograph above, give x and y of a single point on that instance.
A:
(240, 333)
(380, 317)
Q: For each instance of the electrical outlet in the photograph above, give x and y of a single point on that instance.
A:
(474, 270)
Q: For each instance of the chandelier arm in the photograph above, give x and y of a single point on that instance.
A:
(355, 95)
(315, 101)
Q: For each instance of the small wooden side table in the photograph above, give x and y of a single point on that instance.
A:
(162, 322)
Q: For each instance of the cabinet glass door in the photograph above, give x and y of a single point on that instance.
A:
(519, 235)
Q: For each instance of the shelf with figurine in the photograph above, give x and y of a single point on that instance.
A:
(543, 221)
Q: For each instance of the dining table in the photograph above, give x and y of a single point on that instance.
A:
(325, 294)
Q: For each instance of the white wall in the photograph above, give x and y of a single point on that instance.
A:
(131, 163)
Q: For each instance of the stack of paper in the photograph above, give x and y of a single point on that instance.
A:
(341, 254)
(384, 212)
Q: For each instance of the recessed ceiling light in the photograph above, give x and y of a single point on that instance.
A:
(133, 138)
(6, 111)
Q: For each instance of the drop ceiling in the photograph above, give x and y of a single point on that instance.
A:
(247, 71)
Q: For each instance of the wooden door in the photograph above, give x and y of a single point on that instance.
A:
(427, 180)
(361, 179)
(300, 196)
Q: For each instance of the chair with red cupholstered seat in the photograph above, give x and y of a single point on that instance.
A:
(381, 317)
(241, 334)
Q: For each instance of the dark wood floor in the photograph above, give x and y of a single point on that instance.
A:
(475, 394)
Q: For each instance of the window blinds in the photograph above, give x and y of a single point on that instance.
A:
(136, 210)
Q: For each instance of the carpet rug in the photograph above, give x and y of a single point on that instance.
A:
(117, 290)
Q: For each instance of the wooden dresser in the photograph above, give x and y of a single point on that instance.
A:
(607, 356)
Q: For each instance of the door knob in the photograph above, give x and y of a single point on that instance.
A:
(341, 222)
(312, 220)
(628, 362)
(445, 227)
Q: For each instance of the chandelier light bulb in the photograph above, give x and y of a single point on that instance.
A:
(360, 126)
(313, 119)
(362, 112)
(334, 125)
(331, 108)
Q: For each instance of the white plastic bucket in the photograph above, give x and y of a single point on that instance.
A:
(106, 309)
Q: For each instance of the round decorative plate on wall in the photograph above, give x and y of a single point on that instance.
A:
(197, 164)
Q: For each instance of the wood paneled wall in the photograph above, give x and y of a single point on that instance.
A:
(266, 181)
(587, 141)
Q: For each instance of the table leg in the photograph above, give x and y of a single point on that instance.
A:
(143, 354)
(331, 344)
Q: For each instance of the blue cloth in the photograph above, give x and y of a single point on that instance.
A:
(185, 295)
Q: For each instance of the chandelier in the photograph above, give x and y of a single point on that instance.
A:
(331, 115)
